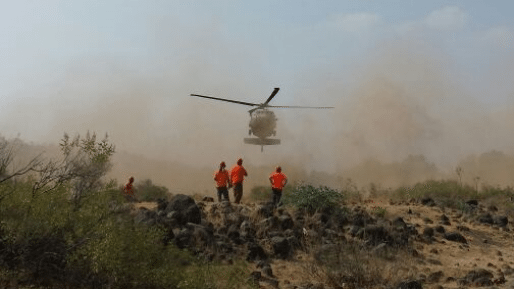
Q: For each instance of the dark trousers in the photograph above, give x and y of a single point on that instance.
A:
(223, 193)
(277, 194)
(238, 192)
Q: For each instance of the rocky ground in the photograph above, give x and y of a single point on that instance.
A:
(370, 244)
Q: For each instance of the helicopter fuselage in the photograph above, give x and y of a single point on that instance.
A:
(263, 123)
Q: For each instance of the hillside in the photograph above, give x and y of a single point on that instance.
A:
(374, 243)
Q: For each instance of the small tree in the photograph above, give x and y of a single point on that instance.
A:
(85, 161)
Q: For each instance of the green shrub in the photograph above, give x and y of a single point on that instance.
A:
(379, 212)
(310, 198)
(49, 239)
(146, 191)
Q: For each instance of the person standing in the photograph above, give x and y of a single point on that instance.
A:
(237, 174)
(278, 180)
(128, 190)
(222, 181)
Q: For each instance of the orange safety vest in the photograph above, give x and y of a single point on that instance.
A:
(221, 178)
(128, 189)
(278, 180)
(237, 174)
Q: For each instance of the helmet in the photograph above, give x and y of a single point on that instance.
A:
(131, 179)
(279, 169)
(240, 161)
(222, 164)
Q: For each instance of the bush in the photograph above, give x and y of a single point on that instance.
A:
(312, 199)
(146, 191)
(47, 240)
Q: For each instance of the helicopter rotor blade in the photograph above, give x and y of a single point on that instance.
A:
(275, 91)
(293, 106)
(227, 100)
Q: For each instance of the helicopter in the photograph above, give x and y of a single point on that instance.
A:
(263, 121)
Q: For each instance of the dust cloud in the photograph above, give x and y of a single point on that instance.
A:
(400, 118)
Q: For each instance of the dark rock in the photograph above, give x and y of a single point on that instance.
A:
(462, 228)
(281, 247)
(444, 220)
(439, 229)
(362, 219)
(374, 235)
(455, 237)
(427, 201)
(233, 232)
(434, 262)
(286, 222)
(479, 278)
(180, 202)
(294, 242)
(161, 204)
(501, 221)
(255, 252)
(208, 199)
(398, 222)
(354, 230)
(409, 285)
(183, 239)
(265, 210)
(192, 214)
(185, 208)
(428, 232)
(492, 208)
(261, 264)
(145, 216)
(266, 269)
(486, 219)
(472, 203)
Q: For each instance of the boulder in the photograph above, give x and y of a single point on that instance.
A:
(281, 247)
(455, 237)
(374, 235)
(145, 216)
(255, 252)
(185, 209)
(286, 222)
(501, 221)
(427, 201)
(486, 219)
(478, 278)
(409, 285)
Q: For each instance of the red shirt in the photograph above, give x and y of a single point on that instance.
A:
(278, 180)
(221, 178)
(128, 189)
(237, 174)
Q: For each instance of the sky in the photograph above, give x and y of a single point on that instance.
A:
(405, 77)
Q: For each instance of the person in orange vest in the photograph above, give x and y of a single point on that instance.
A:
(128, 190)
(278, 180)
(222, 181)
(237, 174)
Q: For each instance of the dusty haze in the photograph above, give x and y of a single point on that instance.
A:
(400, 118)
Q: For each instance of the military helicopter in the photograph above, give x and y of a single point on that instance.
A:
(262, 120)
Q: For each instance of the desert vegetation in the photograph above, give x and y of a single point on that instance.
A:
(65, 225)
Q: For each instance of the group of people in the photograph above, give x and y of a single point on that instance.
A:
(235, 177)
(229, 179)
